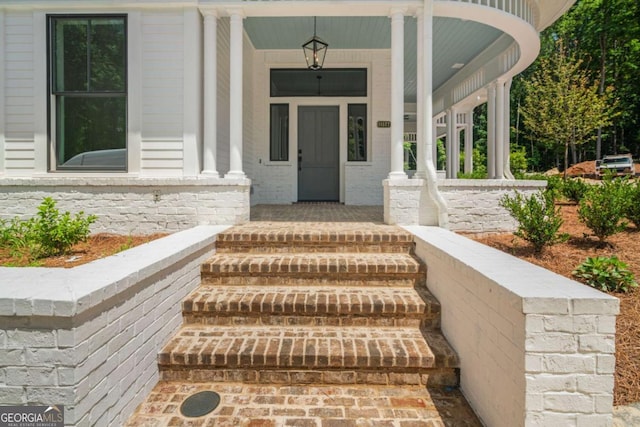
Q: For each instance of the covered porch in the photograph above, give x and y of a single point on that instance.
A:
(428, 65)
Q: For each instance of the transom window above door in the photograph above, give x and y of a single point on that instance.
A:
(343, 82)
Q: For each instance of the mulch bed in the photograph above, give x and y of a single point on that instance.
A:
(564, 258)
(97, 246)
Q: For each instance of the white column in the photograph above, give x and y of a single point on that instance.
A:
(421, 136)
(434, 142)
(507, 130)
(456, 144)
(210, 93)
(451, 144)
(235, 89)
(397, 95)
(468, 143)
(499, 131)
(491, 131)
(430, 130)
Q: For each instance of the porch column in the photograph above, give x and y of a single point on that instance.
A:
(434, 144)
(499, 131)
(452, 133)
(468, 143)
(397, 95)
(235, 89)
(491, 131)
(507, 130)
(210, 93)
(421, 135)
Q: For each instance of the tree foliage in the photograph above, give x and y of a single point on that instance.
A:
(605, 34)
(563, 107)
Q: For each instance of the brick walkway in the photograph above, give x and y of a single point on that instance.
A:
(308, 406)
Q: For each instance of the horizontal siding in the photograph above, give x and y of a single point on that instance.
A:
(162, 93)
(19, 124)
(162, 157)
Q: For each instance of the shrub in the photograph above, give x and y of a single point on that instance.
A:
(48, 233)
(539, 220)
(606, 273)
(633, 206)
(603, 208)
(574, 189)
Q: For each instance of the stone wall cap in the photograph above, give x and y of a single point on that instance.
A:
(130, 181)
(539, 290)
(68, 292)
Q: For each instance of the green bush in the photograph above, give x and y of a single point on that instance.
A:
(574, 189)
(606, 273)
(539, 220)
(48, 233)
(518, 161)
(603, 208)
(633, 205)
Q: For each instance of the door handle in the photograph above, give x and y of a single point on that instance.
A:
(299, 163)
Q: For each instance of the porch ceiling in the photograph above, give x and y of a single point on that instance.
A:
(455, 41)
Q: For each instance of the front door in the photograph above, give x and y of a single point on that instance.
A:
(318, 154)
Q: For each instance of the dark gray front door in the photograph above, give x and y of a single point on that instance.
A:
(318, 149)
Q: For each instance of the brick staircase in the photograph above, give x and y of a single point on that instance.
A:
(305, 305)
(311, 324)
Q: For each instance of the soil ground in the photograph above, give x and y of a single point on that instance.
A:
(565, 257)
(97, 246)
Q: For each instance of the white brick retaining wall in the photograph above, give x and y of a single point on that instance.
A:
(128, 205)
(536, 349)
(88, 337)
(473, 205)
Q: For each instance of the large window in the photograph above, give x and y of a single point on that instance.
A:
(88, 81)
(357, 131)
(279, 142)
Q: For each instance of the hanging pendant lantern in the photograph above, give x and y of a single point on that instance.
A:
(315, 50)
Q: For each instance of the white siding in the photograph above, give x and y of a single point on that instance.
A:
(18, 89)
(162, 93)
(2, 83)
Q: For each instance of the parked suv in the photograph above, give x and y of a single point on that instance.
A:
(619, 165)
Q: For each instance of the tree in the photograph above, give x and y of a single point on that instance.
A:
(563, 108)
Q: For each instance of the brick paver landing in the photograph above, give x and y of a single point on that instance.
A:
(311, 324)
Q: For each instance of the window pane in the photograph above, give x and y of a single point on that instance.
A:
(279, 142)
(70, 56)
(329, 82)
(357, 144)
(108, 55)
(91, 132)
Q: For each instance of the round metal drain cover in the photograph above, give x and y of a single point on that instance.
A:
(200, 404)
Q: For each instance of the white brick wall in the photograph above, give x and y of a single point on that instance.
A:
(98, 359)
(472, 205)
(536, 349)
(132, 205)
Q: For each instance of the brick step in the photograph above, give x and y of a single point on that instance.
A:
(268, 237)
(372, 268)
(255, 353)
(320, 306)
